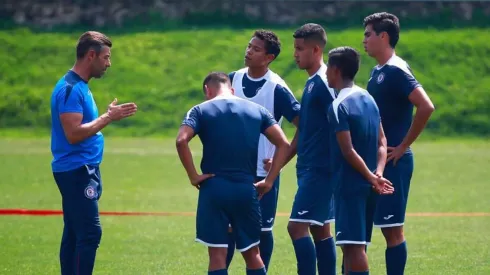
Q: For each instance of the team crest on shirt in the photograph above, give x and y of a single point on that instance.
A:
(380, 78)
(90, 192)
(310, 87)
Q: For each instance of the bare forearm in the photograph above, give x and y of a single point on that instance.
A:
(280, 159)
(358, 163)
(292, 148)
(420, 119)
(382, 154)
(185, 156)
(86, 130)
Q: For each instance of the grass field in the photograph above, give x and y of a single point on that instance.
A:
(450, 181)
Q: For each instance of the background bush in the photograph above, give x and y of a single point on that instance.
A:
(163, 71)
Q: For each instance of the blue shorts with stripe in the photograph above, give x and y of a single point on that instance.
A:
(223, 202)
(354, 212)
(313, 202)
(268, 205)
(390, 209)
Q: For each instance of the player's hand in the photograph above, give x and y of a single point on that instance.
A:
(395, 153)
(267, 164)
(381, 185)
(118, 112)
(198, 179)
(263, 187)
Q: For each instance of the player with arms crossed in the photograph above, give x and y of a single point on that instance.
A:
(77, 146)
(229, 128)
(355, 120)
(396, 91)
(312, 209)
(257, 83)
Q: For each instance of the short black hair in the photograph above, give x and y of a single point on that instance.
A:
(216, 79)
(346, 59)
(385, 22)
(312, 32)
(272, 43)
(92, 40)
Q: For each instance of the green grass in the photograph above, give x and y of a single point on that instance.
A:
(146, 175)
(163, 71)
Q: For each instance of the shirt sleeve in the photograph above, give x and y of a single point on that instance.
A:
(267, 119)
(192, 119)
(285, 104)
(405, 81)
(338, 118)
(70, 100)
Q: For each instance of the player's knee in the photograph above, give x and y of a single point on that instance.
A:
(217, 257)
(297, 230)
(393, 235)
(355, 250)
(252, 258)
(320, 233)
(355, 254)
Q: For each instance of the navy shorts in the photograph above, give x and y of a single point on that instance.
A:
(268, 205)
(313, 202)
(354, 214)
(390, 209)
(222, 203)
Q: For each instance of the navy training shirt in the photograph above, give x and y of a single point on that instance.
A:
(355, 110)
(314, 132)
(229, 128)
(285, 104)
(390, 85)
(72, 95)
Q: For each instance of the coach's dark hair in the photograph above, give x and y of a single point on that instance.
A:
(312, 32)
(346, 59)
(216, 79)
(92, 40)
(272, 43)
(385, 22)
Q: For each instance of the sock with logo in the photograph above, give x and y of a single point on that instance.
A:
(396, 258)
(218, 272)
(305, 256)
(266, 246)
(260, 271)
(326, 256)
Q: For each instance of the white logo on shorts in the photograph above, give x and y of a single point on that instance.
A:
(90, 171)
(338, 233)
(90, 192)
(388, 217)
(270, 220)
(302, 212)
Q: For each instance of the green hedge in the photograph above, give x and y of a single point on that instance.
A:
(162, 72)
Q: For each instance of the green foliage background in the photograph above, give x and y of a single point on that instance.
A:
(162, 72)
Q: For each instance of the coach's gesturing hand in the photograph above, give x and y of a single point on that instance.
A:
(118, 112)
(381, 185)
(263, 187)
